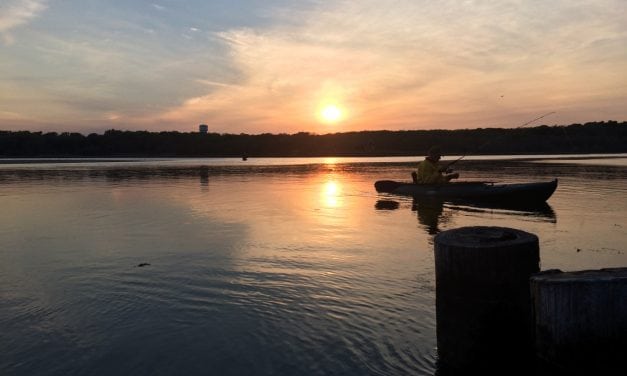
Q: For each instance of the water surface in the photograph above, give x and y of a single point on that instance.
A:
(265, 267)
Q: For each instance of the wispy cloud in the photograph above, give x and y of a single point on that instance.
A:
(415, 64)
(405, 64)
(213, 83)
(15, 13)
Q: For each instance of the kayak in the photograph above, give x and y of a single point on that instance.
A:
(518, 193)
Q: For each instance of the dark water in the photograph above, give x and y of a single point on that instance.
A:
(264, 267)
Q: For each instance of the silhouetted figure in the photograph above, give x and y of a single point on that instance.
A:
(430, 171)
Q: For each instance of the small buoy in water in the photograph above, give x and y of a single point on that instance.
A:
(143, 264)
(386, 205)
(244, 158)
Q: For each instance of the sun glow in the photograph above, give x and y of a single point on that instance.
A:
(331, 114)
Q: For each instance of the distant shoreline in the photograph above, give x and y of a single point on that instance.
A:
(517, 157)
(5, 161)
(590, 138)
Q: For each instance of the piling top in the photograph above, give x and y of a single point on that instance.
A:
(601, 275)
(484, 237)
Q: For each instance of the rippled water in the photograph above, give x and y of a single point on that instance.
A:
(264, 267)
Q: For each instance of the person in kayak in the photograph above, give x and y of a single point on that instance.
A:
(430, 171)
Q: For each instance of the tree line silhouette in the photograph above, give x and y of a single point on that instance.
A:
(593, 137)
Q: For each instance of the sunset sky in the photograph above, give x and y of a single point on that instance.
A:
(285, 66)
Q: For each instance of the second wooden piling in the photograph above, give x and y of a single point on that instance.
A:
(581, 320)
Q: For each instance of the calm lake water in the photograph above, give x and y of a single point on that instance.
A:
(263, 267)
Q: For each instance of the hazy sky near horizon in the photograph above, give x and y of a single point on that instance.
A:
(258, 66)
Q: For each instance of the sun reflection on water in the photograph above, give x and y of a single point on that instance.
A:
(331, 194)
(330, 161)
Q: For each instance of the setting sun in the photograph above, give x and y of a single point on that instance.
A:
(331, 113)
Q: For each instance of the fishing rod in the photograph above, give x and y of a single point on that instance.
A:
(487, 142)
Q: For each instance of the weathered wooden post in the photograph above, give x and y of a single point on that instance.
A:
(483, 304)
(581, 320)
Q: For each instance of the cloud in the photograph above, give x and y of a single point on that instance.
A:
(415, 64)
(15, 13)
(404, 65)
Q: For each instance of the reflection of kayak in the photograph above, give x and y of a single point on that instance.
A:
(474, 191)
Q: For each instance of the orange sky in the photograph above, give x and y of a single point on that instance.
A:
(241, 66)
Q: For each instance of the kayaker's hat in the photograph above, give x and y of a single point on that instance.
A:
(435, 152)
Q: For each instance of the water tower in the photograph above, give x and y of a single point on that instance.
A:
(203, 128)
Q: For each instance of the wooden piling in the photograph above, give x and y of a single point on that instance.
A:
(483, 304)
(581, 320)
